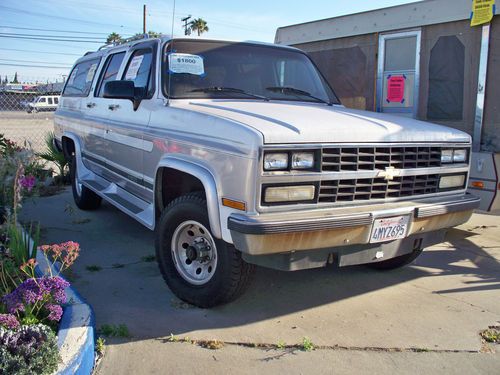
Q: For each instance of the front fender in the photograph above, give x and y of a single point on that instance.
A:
(208, 181)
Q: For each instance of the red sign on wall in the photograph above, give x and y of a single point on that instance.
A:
(396, 89)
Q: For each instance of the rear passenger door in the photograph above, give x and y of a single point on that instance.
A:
(126, 126)
(97, 114)
(72, 113)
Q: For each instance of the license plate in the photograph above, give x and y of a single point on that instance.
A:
(389, 228)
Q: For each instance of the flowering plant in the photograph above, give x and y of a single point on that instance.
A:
(28, 350)
(39, 299)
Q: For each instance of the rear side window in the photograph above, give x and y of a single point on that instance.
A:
(110, 71)
(56, 100)
(139, 70)
(80, 79)
(50, 100)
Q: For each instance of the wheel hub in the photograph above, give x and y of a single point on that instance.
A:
(194, 252)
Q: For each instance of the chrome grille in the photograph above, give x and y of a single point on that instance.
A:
(363, 189)
(378, 158)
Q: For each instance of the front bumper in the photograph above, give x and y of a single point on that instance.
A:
(328, 228)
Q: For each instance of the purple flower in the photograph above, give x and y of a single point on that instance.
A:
(55, 312)
(13, 302)
(27, 182)
(9, 321)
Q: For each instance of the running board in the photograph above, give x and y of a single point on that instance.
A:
(139, 209)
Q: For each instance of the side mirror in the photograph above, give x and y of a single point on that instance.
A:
(119, 90)
(122, 90)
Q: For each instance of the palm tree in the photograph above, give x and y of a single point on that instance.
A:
(199, 25)
(114, 38)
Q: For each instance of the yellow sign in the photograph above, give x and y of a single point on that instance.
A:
(482, 11)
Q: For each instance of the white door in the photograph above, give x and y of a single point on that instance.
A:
(398, 73)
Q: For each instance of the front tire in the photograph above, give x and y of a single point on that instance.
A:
(85, 199)
(198, 268)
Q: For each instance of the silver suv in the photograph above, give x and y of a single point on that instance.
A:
(240, 153)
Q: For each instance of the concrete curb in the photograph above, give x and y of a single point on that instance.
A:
(76, 329)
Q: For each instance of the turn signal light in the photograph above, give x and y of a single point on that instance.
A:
(234, 204)
(478, 184)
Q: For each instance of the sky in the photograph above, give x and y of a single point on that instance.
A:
(87, 23)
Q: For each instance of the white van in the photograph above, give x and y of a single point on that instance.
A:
(43, 103)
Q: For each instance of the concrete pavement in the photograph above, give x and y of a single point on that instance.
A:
(439, 304)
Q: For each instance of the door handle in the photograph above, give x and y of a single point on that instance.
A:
(113, 106)
(90, 105)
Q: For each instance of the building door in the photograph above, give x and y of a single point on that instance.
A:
(398, 73)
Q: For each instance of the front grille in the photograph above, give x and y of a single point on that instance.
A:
(363, 189)
(378, 158)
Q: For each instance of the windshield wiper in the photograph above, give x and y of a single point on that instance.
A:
(293, 91)
(230, 89)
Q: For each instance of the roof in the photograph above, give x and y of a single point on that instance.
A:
(421, 13)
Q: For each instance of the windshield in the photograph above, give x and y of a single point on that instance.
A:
(207, 69)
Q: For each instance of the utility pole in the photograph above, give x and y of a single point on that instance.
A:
(144, 19)
(187, 31)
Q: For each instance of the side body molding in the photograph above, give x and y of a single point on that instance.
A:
(208, 181)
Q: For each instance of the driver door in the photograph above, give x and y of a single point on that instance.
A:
(125, 126)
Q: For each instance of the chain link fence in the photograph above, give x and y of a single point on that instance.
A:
(27, 112)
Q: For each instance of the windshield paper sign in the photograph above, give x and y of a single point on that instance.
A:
(396, 89)
(482, 12)
(186, 63)
(134, 67)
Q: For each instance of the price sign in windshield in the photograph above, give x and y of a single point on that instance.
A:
(186, 63)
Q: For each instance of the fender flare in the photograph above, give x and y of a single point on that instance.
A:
(208, 181)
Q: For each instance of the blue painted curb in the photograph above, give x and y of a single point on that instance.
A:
(76, 335)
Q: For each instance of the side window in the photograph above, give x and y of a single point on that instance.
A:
(139, 70)
(50, 101)
(80, 79)
(41, 100)
(56, 100)
(110, 72)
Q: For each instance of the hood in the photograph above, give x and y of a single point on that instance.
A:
(293, 122)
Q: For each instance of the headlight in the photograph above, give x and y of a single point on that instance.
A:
(289, 194)
(447, 182)
(459, 155)
(446, 156)
(275, 161)
(302, 160)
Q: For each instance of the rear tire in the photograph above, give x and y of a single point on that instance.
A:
(198, 268)
(84, 198)
(397, 262)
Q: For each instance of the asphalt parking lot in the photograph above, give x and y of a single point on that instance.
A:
(423, 318)
(21, 126)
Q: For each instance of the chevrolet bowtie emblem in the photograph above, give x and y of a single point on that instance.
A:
(389, 173)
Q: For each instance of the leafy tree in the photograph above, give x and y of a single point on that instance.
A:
(199, 25)
(114, 38)
(15, 79)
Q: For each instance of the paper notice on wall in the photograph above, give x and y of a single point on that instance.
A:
(186, 63)
(134, 66)
(91, 73)
(396, 89)
(482, 12)
(71, 78)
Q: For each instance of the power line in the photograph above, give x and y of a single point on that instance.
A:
(54, 36)
(56, 30)
(45, 15)
(37, 62)
(53, 40)
(36, 66)
(44, 52)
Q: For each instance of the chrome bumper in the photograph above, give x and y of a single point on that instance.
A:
(319, 229)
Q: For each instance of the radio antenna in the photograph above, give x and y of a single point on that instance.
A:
(168, 56)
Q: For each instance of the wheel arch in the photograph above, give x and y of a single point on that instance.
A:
(201, 174)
